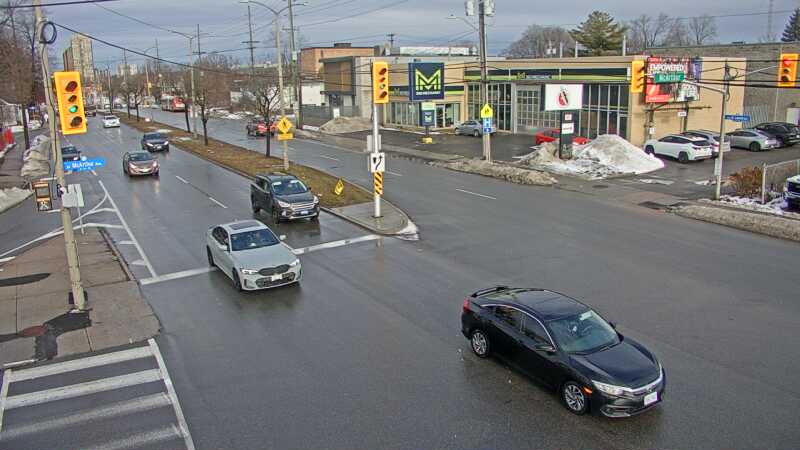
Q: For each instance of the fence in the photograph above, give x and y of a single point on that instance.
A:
(758, 114)
(773, 178)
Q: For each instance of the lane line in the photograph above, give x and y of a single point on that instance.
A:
(81, 389)
(10, 258)
(114, 410)
(334, 244)
(128, 230)
(476, 194)
(140, 439)
(53, 211)
(184, 181)
(184, 427)
(394, 173)
(217, 202)
(176, 275)
(93, 172)
(328, 157)
(80, 364)
(4, 394)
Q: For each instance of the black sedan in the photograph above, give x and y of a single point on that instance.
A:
(155, 142)
(567, 346)
(70, 153)
(787, 134)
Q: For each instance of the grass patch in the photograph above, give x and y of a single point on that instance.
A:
(250, 163)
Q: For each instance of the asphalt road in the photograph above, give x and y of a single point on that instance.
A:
(367, 351)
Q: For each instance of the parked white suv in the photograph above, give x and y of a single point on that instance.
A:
(250, 254)
(683, 148)
(110, 122)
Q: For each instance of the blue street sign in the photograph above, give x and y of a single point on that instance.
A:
(487, 123)
(737, 117)
(83, 165)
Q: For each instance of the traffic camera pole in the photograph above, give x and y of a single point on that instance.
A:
(725, 94)
(76, 286)
(486, 137)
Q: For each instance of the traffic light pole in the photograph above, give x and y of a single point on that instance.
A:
(725, 96)
(280, 88)
(375, 151)
(76, 285)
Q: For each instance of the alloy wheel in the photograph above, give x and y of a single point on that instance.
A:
(480, 344)
(574, 398)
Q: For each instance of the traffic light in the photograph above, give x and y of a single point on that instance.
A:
(787, 72)
(638, 76)
(70, 102)
(380, 82)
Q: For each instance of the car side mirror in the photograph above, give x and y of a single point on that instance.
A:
(545, 348)
(613, 325)
(282, 237)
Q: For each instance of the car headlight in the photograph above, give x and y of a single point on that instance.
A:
(316, 199)
(149, 144)
(608, 388)
(166, 142)
(294, 263)
(249, 271)
(283, 204)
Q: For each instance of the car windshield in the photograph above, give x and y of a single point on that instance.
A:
(154, 136)
(69, 149)
(249, 240)
(583, 332)
(110, 117)
(289, 187)
(141, 157)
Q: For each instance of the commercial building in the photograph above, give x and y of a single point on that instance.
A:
(78, 57)
(127, 70)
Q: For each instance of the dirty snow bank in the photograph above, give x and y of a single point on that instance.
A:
(606, 156)
(509, 173)
(346, 125)
(12, 196)
(776, 206)
(36, 159)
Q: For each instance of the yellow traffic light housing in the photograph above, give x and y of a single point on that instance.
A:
(638, 76)
(380, 82)
(70, 102)
(787, 71)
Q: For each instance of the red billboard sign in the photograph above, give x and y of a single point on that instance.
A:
(666, 68)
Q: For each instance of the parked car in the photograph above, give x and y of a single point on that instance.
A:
(471, 128)
(90, 110)
(70, 153)
(567, 346)
(552, 135)
(155, 142)
(711, 137)
(139, 163)
(753, 139)
(250, 254)
(684, 148)
(792, 192)
(284, 197)
(786, 133)
(110, 122)
(259, 127)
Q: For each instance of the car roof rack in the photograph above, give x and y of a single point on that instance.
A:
(497, 288)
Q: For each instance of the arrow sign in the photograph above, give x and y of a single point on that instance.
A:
(82, 166)
(377, 162)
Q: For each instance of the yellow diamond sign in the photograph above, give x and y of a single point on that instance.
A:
(487, 112)
(284, 125)
(339, 187)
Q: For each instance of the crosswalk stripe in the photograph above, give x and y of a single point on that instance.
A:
(140, 439)
(173, 396)
(118, 409)
(79, 364)
(81, 389)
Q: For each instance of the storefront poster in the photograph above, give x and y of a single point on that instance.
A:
(563, 97)
(672, 92)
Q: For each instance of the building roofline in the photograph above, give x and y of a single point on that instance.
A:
(337, 48)
(742, 44)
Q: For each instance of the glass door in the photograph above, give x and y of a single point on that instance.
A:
(440, 116)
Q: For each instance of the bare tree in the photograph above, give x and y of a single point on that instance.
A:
(536, 40)
(678, 35)
(702, 30)
(262, 90)
(647, 32)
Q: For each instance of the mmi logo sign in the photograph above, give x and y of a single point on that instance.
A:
(425, 81)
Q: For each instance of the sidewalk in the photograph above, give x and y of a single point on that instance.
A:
(34, 320)
(11, 165)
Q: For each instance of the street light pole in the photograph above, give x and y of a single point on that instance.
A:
(295, 64)
(487, 145)
(280, 87)
(725, 95)
(191, 75)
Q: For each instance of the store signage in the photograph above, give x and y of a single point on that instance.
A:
(563, 97)
(671, 77)
(426, 119)
(425, 81)
(665, 76)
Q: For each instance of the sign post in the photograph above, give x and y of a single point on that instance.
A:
(427, 119)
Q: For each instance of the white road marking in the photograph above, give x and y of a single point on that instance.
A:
(334, 244)
(394, 173)
(328, 157)
(10, 258)
(184, 427)
(140, 439)
(176, 275)
(3, 394)
(184, 181)
(93, 172)
(80, 364)
(128, 230)
(125, 243)
(217, 202)
(113, 410)
(475, 193)
(53, 211)
(81, 389)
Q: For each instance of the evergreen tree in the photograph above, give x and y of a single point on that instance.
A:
(792, 31)
(599, 34)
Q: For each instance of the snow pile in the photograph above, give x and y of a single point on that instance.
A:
(12, 196)
(776, 206)
(163, 131)
(346, 125)
(509, 173)
(606, 156)
(36, 159)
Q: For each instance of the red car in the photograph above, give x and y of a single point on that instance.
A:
(258, 127)
(551, 135)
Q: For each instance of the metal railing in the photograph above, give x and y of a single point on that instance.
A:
(774, 176)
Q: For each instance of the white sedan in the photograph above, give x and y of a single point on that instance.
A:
(110, 122)
(682, 147)
(250, 254)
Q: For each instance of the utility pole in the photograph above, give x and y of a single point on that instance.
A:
(487, 145)
(280, 87)
(251, 41)
(296, 73)
(391, 40)
(194, 108)
(191, 76)
(158, 72)
(76, 285)
(725, 94)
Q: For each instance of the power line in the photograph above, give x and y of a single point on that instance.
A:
(45, 5)
(362, 13)
(148, 24)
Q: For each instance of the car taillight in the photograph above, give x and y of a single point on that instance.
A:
(466, 304)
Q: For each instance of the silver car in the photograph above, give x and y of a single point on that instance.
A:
(250, 254)
(713, 138)
(753, 140)
(471, 128)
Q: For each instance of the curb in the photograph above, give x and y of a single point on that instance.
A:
(754, 222)
(406, 220)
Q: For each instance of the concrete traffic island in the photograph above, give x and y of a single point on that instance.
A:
(35, 318)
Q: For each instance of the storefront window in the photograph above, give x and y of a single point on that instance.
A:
(605, 111)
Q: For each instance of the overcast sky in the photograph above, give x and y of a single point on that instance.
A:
(366, 22)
